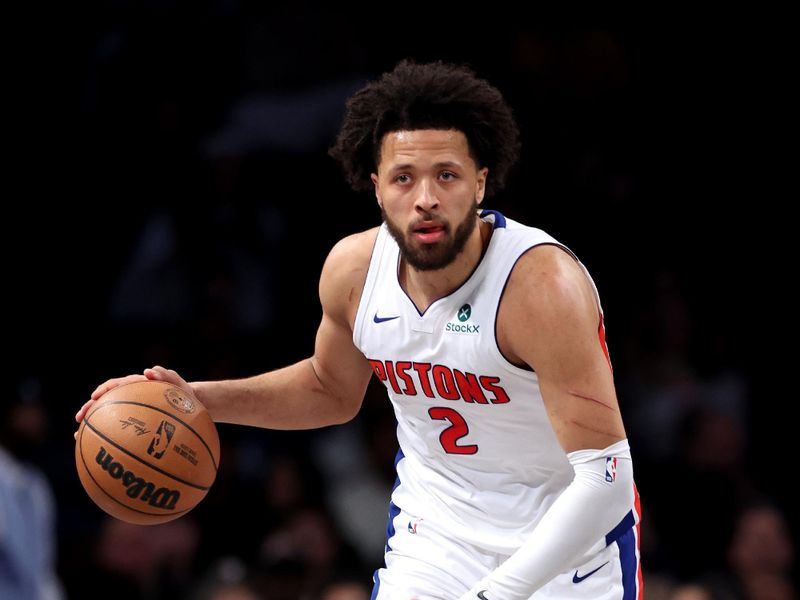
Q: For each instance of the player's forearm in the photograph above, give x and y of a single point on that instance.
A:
(588, 510)
(289, 398)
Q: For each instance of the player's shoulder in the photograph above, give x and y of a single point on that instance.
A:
(345, 269)
(351, 254)
(549, 278)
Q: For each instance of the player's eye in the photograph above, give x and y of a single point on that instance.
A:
(402, 178)
(447, 175)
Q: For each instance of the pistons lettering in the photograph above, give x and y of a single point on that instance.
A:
(136, 487)
(414, 378)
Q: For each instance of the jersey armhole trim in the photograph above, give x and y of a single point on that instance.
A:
(527, 369)
(369, 286)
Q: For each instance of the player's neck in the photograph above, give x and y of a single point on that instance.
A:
(425, 287)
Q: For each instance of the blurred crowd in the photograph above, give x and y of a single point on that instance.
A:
(194, 143)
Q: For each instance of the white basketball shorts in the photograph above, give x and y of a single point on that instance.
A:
(424, 563)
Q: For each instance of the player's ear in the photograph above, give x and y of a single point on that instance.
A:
(480, 184)
(374, 178)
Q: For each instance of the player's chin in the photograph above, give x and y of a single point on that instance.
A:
(431, 262)
(430, 248)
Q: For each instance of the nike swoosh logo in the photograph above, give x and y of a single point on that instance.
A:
(577, 579)
(482, 596)
(378, 319)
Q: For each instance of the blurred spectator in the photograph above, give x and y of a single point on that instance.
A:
(688, 422)
(164, 284)
(351, 459)
(232, 591)
(657, 586)
(663, 383)
(302, 554)
(27, 534)
(306, 537)
(27, 506)
(761, 555)
(345, 590)
(691, 592)
(702, 488)
(287, 121)
(227, 580)
(141, 562)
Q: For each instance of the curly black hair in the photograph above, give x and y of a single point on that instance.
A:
(433, 95)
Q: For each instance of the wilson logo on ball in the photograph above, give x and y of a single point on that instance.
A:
(137, 487)
(160, 442)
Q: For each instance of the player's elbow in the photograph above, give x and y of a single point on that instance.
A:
(346, 412)
(606, 478)
(341, 405)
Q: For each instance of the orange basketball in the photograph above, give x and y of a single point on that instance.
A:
(147, 452)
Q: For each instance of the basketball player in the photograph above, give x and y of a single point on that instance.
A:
(514, 475)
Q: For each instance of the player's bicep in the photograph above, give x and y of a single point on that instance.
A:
(577, 387)
(562, 343)
(583, 412)
(339, 365)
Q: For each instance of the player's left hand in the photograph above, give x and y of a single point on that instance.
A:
(155, 373)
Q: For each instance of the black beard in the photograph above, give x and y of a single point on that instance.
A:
(431, 257)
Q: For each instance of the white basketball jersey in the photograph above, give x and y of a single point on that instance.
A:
(477, 451)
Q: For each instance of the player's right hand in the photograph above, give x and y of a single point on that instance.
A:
(155, 373)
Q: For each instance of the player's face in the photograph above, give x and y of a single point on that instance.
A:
(429, 187)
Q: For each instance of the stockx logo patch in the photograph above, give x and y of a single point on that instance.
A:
(461, 324)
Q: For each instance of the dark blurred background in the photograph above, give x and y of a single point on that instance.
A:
(172, 203)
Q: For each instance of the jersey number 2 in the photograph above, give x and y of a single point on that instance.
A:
(457, 430)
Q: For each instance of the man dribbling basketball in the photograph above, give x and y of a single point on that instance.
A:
(515, 478)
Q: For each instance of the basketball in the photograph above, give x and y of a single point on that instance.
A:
(147, 452)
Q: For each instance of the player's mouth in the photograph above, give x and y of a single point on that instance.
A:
(429, 232)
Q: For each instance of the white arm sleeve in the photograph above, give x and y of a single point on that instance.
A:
(598, 499)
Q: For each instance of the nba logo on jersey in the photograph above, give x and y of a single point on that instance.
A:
(412, 525)
(611, 469)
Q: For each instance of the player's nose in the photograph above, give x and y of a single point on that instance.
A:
(426, 199)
